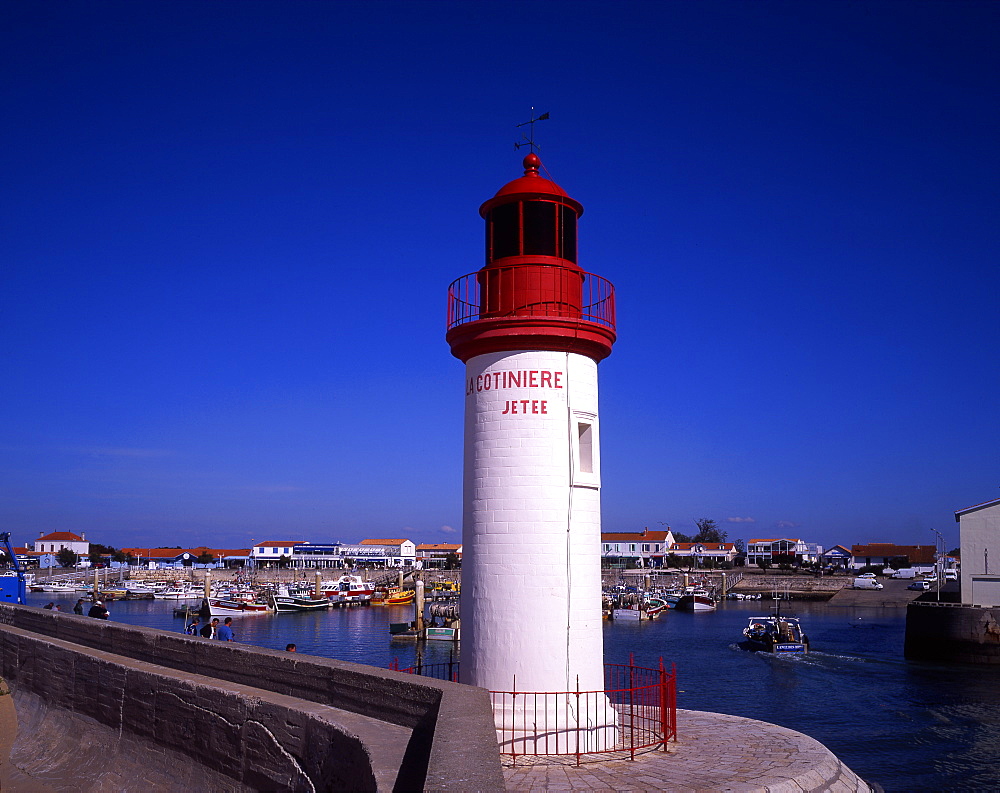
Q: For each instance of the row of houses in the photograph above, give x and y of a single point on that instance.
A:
(389, 552)
(650, 548)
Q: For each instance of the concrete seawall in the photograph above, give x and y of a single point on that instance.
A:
(244, 718)
(952, 633)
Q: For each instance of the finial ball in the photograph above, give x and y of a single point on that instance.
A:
(531, 164)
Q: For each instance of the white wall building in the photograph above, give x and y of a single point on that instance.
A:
(979, 528)
(58, 540)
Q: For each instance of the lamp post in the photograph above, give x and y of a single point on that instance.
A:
(938, 560)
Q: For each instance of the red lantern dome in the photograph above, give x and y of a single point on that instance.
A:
(531, 294)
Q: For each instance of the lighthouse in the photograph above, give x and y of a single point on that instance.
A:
(531, 327)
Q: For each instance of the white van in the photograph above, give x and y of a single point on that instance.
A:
(906, 572)
(951, 575)
(867, 583)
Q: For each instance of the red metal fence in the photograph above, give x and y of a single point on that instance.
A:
(531, 290)
(636, 711)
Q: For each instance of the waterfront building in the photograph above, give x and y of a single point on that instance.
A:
(635, 549)
(271, 552)
(701, 552)
(172, 558)
(59, 540)
(531, 327)
(837, 556)
(434, 554)
(767, 550)
(922, 557)
(979, 528)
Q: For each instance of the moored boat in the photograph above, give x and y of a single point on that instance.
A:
(403, 598)
(285, 602)
(348, 589)
(695, 599)
(220, 607)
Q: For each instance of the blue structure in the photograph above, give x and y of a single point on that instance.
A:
(12, 587)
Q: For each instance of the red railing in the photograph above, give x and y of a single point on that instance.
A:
(531, 290)
(636, 711)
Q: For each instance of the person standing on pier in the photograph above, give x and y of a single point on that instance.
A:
(224, 632)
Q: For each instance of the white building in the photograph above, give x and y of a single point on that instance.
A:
(58, 540)
(979, 528)
(635, 549)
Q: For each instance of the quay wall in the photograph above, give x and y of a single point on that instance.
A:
(446, 729)
(952, 632)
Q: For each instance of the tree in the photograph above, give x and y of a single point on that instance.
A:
(452, 562)
(283, 562)
(678, 537)
(206, 558)
(708, 531)
(66, 557)
(763, 564)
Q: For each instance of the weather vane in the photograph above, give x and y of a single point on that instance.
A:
(529, 139)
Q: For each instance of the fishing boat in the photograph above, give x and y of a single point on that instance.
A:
(776, 634)
(695, 599)
(403, 598)
(348, 589)
(220, 607)
(650, 608)
(285, 602)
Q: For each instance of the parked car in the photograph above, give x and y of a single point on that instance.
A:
(866, 583)
(867, 575)
(920, 585)
(951, 575)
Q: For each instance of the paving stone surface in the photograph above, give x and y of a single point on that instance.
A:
(714, 752)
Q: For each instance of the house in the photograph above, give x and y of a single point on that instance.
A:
(635, 549)
(264, 554)
(58, 540)
(166, 558)
(837, 556)
(434, 554)
(701, 552)
(381, 553)
(921, 557)
(979, 529)
(765, 550)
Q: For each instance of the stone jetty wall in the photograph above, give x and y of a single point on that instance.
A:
(952, 632)
(259, 718)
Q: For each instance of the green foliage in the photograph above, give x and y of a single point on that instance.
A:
(763, 564)
(708, 531)
(452, 562)
(955, 552)
(283, 561)
(678, 537)
(66, 557)
(207, 558)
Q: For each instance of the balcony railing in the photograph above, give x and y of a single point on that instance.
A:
(644, 717)
(531, 290)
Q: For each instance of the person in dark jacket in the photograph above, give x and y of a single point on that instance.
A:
(98, 611)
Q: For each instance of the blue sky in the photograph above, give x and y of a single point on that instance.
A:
(229, 228)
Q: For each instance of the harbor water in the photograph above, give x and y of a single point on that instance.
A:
(907, 726)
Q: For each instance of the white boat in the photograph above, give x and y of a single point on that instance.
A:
(220, 607)
(178, 593)
(695, 599)
(285, 602)
(348, 589)
(55, 588)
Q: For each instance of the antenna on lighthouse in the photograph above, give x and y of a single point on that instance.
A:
(529, 139)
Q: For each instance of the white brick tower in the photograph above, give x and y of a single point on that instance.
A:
(531, 326)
